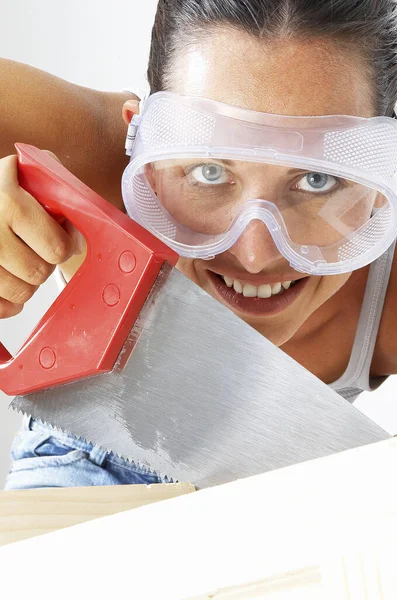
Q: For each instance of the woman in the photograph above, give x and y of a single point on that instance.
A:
(287, 58)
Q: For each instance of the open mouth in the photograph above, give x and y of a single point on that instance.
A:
(264, 299)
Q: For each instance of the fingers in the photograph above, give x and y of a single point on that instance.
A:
(32, 242)
(14, 293)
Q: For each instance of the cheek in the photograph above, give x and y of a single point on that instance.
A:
(187, 266)
(330, 285)
(195, 270)
(150, 176)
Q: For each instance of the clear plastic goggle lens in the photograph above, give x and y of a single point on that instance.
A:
(196, 203)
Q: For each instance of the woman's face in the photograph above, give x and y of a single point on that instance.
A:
(309, 78)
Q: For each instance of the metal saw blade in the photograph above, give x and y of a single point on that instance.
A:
(198, 395)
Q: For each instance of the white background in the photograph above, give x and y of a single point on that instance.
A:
(102, 44)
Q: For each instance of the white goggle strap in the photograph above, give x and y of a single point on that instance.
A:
(131, 134)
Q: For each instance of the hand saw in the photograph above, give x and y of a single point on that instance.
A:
(136, 358)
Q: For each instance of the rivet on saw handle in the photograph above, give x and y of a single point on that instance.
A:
(84, 330)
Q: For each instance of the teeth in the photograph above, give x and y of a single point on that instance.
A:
(276, 289)
(228, 281)
(264, 291)
(251, 291)
(237, 286)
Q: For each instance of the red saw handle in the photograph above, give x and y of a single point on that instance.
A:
(84, 330)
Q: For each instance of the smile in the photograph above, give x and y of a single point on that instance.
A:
(262, 291)
(262, 300)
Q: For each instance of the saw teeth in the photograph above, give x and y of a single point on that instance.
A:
(142, 468)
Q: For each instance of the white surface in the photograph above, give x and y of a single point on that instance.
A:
(96, 43)
(333, 520)
(105, 45)
(381, 405)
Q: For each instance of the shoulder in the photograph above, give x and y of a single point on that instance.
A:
(81, 126)
(385, 355)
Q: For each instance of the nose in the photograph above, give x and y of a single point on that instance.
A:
(255, 248)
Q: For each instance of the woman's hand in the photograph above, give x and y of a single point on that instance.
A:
(32, 243)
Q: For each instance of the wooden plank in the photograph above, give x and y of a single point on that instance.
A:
(326, 528)
(28, 513)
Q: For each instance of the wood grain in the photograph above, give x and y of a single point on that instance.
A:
(28, 513)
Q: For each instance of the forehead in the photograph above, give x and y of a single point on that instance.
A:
(289, 77)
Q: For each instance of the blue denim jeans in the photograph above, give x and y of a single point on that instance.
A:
(44, 457)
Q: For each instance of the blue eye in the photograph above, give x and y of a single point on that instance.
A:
(317, 182)
(210, 174)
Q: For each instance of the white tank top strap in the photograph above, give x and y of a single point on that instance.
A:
(356, 378)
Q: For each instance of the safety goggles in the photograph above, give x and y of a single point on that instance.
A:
(323, 188)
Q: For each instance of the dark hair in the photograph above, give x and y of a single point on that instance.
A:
(368, 26)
